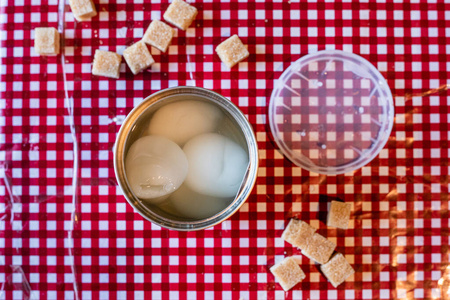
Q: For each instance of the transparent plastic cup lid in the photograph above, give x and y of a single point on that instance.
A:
(331, 112)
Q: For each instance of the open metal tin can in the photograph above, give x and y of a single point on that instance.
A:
(131, 129)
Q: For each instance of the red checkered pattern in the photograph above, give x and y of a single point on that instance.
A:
(67, 232)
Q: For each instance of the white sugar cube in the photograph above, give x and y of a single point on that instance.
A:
(339, 214)
(288, 273)
(138, 57)
(107, 64)
(180, 14)
(298, 233)
(159, 35)
(232, 51)
(83, 9)
(337, 270)
(319, 248)
(46, 41)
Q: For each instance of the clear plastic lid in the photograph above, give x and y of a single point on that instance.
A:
(331, 112)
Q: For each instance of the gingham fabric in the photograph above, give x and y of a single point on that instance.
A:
(67, 232)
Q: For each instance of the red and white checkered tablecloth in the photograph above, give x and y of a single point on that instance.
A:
(66, 231)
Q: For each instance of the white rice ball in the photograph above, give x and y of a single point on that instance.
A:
(155, 168)
(180, 121)
(217, 165)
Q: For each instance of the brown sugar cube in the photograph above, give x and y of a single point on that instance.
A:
(159, 35)
(107, 64)
(319, 248)
(298, 233)
(46, 41)
(83, 9)
(231, 51)
(339, 214)
(288, 273)
(138, 57)
(337, 270)
(180, 14)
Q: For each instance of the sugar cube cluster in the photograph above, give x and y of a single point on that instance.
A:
(138, 58)
(316, 247)
(158, 35)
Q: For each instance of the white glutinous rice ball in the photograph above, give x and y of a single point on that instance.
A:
(197, 206)
(155, 168)
(217, 165)
(180, 121)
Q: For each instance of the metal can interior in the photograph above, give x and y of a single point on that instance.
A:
(130, 131)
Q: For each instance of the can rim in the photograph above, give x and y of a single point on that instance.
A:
(121, 143)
